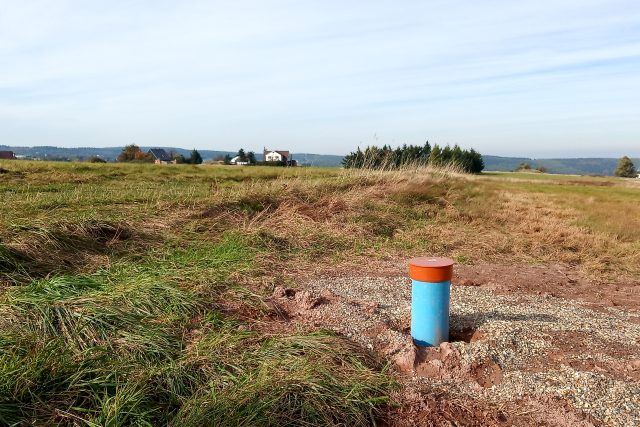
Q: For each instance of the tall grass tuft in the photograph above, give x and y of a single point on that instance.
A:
(316, 379)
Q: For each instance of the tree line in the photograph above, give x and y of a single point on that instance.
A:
(134, 154)
(386, 157)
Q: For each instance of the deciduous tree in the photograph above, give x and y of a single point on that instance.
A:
(128, 153)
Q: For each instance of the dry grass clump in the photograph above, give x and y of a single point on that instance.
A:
(537, 228)
(312, 379)
(41, 249)
(307, 220)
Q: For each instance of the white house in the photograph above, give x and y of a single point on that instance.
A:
(275, 156)
(236, 161)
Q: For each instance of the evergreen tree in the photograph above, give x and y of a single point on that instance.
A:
(195, 158)
(445, 155)
(251, 157)
(626, 168)
(457, 156)
(426, 151)
(477, 162)
(242, 156)
(386, 157)
(435, 157)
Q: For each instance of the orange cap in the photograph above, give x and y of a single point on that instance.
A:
(425, 269)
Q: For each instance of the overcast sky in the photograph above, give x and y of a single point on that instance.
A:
(546, 78)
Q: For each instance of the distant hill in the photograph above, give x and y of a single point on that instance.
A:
(586, 166)
(110, 153)
(83, 153)
(322, 160)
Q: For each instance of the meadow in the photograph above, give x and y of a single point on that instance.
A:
(139, 294)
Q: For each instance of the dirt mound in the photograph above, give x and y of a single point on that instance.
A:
(445, 363)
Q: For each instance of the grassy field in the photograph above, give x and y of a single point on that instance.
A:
(138, 294)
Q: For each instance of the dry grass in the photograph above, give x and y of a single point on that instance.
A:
(92, 256)
(360, 215)
(298, 217)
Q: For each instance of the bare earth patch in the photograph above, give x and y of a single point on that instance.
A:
(514, 358)
(553, 280)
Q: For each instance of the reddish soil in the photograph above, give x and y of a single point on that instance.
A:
(417, 404)
(553, 280)
(439, 408)
(620, 361)
(558, 280)
(444, 363)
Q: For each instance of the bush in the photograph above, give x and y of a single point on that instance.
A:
(133, 153)
(271, 163)
(524, 166)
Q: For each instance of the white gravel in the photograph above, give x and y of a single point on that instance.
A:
(518, 330)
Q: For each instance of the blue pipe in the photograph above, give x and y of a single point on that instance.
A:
(430, 312)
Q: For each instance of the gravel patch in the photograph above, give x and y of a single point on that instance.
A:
(544, 346)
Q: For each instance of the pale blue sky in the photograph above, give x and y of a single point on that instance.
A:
(546, 78)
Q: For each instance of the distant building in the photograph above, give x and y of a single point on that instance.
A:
(161, 157)
(7, 155)
(275, 155)
(236, 161)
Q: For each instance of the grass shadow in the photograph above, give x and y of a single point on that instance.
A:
(69, 247)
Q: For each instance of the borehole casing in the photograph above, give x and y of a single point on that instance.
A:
(430, 296)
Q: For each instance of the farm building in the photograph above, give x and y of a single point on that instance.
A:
(161, 157)
(7, 155)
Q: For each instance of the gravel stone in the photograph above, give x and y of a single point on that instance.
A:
(517, 332)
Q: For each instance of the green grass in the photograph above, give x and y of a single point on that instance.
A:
(137, 294)
(144, 343)
(115, 305)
